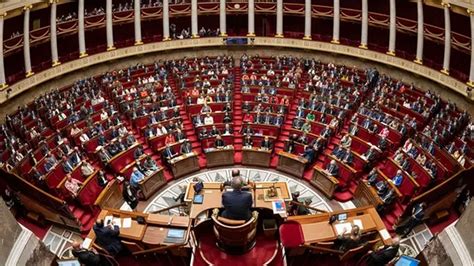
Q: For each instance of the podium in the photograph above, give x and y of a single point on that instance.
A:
(291, 163)
(220, 157)
(184, 164)
(256, 157)
(152, 183)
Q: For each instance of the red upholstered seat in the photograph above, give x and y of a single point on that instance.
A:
(291, 234)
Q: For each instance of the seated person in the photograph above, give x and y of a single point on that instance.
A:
(150, 164)
(248, 142)
(372, 177)
(107, 237)
(266, 144)
(308, 154)
(219, 142)
(86, 169)
(383, 143)
(72, 185)
(398, 178)
(332, 168)
(208, 120)
(346, 141)
(170, 139)
(214, 131)
(138, 152)
(370, 155)
(67, 165)
(168, 152)
(84, 256)
(228, 130)
(101, 179)
(381, 187)
(227, 118)
(186, 147)
(348, 157)
(237, 203)
(327, 132)
(306, 127)
(136, 177)
(338, 152)
(345, 242)
(247, 130)
(303, 139)
(203, 133)
(384, 254)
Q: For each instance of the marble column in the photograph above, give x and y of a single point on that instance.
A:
(194, 19)
(336, 21)
(393, 28)
(365, 25)
(82, 35)
(222, 18)
(307, 20)
(447, 39)
(137, 22)
(54, 34)
(26, 41)
(420, 32)
(166, 20)
(3, 80)
(279, 19)
(109, 25)
(471, 72)
(251, 18)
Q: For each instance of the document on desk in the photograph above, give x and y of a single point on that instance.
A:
(108, 219)
(86, 243)
(118, 222)
(384, 233)
(127, 222)
(340, 228)
(358, 222)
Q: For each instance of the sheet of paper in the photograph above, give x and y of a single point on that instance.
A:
(86, 243)
(340, 228)
(117, 222)
(384, 233)
(358, 222)
(127, 222)
(108, 219)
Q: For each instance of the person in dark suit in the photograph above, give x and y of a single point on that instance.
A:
(308, 154)
(130, 195)
(168, 152)
(84, 256)
(405, 226)
(248, 142)
(266, 144)
(186, 147)
(237, 203)
(107, 236)
(385, 254)
(219, 143)
(332, 169)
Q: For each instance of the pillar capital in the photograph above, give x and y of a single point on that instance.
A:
(27, 7)
(3, 15)
(470, 11)
(445, 4)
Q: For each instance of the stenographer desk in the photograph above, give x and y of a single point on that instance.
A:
(255, 156)
(291, 163)
(316, 227)
(150, 235)
(212, 196)
(220, 156)
(184, 164)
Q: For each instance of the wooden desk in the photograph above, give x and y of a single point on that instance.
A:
(255, 156)
(184, 164)
(366, 195)
(152, 183)
(316, 227)
(110, 197)
(220, 157)
(325, 183)
(151, 234)
(213, 196)
(291, 163)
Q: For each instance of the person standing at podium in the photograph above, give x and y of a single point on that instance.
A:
(237, 203)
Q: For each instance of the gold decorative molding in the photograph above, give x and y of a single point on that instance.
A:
(29, 74)
(445, 71)
(138, 42)
(83, 54)
(68, 67)
(110, 48)
(392, 53)
(363, 46)
(308, 38)
(56, 63)
(418, 61)
(335, 41)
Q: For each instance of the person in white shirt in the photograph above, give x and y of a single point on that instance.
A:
(84, 138)
(75, 130)
(208, 120)
(104, 115)
(122, 131)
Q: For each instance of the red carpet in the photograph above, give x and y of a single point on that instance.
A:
(262, 253)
